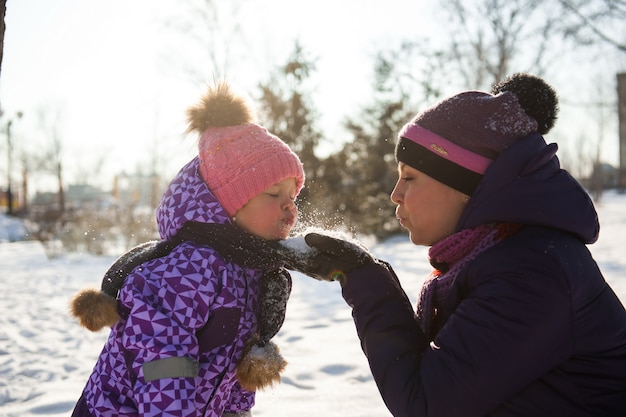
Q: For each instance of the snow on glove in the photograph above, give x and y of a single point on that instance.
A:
(324, 257)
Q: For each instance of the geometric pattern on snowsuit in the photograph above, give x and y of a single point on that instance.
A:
(191, 303)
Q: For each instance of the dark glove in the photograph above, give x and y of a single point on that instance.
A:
(325, 258)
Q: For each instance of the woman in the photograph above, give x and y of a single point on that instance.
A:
(516, 319)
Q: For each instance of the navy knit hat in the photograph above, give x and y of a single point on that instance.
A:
(455, 140)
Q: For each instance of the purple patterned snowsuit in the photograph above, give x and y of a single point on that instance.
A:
(189, 304)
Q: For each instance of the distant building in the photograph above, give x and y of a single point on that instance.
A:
(45, 198)
(4, 200)
(128, 191)
(137, 190)
(84, 194)
(604, 176)
(76, 196)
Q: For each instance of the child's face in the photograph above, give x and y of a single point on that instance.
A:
(272, 213)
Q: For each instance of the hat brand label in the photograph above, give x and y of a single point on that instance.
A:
(438, 149)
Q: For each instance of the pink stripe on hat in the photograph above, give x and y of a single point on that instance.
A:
(445, 149)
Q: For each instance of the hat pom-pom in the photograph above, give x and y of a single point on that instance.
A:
(94, 309)
(260, 365)
(218, 107)
(535, 96)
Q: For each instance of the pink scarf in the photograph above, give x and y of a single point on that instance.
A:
(449, 256)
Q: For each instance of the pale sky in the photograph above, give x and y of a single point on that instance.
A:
(109, 72)
(112, 73)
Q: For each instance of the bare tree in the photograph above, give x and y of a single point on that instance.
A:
(588, 22)
(51, 159)
(210, 27)
(484, 41)
(480, 42)
(3, 10)
(46, 223)
(488, 36)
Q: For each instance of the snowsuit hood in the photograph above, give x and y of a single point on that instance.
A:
(187, 199)
(526, 185)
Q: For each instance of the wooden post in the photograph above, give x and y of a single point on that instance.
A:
(621, 109)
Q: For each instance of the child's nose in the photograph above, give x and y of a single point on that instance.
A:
(289, 204)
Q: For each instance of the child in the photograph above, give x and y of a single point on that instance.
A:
(191, 325)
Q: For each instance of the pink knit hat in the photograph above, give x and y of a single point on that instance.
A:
(238, 159)
(456, 140)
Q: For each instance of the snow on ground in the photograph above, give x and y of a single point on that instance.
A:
(45, 357)
(11, 229)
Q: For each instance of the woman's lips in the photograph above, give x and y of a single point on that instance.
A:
(400, 218)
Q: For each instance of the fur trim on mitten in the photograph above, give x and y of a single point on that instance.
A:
(260, 366)
(94, 309)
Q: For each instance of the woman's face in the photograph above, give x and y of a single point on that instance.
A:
(428, 209)
(272, 213)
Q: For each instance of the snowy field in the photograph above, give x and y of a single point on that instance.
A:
(45, 357)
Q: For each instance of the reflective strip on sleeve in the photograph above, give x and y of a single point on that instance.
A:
(170, 368)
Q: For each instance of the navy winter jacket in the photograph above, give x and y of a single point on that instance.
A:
(531, 327)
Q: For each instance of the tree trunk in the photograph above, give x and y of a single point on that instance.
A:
(3, 10)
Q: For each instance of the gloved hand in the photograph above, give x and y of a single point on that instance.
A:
(324, 258)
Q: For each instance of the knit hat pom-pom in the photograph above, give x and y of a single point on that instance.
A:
(535, 96)
(94, 309)
(219, 107)
(260, 366)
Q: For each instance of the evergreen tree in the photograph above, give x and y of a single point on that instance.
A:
(286, 109)
(370, 170)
